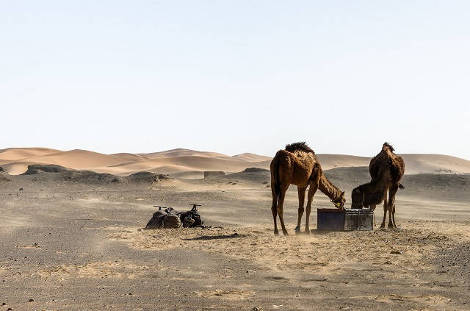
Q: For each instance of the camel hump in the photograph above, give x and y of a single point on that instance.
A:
(300, 146)
(281, 154)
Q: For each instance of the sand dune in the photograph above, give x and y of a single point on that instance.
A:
(16, 160)
(251, 157)
(435, 163)
(181, 152)
(329, 161)
(16, 154)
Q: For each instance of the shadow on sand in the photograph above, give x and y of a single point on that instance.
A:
(216, 237)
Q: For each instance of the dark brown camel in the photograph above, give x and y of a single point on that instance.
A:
(298, 165)
(386, 170)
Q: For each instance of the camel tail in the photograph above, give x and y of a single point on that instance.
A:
(401, 186)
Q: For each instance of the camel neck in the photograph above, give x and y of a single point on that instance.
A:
(329, 189)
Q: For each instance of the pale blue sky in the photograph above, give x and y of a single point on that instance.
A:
(236, 76)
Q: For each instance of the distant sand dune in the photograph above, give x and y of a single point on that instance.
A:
(16, 154)
(251, 157)
(435, 163)
(180, 152)
(16, 160)
(329, 161)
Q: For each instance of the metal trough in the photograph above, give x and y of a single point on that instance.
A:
(333, 219)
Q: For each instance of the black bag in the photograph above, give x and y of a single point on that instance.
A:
(171, 218)
(191, 219)
(167, 218)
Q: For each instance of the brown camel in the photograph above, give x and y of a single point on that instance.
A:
(386, 170)
(298, 165)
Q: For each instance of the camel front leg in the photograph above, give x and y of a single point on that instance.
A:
(311, 192)
(280, 209)
(301, 193)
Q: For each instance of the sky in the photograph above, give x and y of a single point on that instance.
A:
(236, 76)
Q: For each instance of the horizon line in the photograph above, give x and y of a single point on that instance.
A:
(202, 151)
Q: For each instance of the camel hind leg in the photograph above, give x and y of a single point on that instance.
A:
(393, 216)
(280, 208)
(391, 206)
(274, 208)
(301, 193)
(385, 209)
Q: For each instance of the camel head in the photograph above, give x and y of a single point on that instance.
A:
(340, 201)
(388, 146)
(357, 198)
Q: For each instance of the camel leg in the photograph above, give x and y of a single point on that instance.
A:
(280, 209)
(391, 206)
(274, 209)
(385, 210)
(390, 223)
(311, 192)
(301, 193)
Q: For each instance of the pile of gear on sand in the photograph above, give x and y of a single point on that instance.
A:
(168, 217)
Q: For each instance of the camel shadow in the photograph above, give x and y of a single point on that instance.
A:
(323, 232)
(216, 237)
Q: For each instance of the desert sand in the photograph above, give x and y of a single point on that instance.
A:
(73, 239)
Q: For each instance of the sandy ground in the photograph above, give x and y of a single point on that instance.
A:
(73, 246)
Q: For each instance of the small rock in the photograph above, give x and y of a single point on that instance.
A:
(30, 300)
(394, 252)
